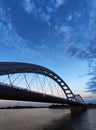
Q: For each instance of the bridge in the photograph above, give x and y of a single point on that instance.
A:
(30, 82)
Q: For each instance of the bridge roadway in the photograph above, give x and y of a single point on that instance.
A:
(8, 92)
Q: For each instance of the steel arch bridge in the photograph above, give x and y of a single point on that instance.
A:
(11, 92)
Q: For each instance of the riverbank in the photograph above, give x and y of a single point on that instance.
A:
(23, 107)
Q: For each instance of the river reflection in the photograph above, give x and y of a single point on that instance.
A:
(70, 122)
(47, 119)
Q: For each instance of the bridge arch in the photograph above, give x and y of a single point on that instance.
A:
(19, 67)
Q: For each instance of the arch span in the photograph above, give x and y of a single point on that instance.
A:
(19, 67)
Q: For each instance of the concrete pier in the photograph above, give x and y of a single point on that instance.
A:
(78, 108)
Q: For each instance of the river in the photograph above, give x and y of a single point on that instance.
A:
(46, 119)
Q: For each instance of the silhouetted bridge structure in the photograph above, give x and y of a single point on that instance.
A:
(18, 81)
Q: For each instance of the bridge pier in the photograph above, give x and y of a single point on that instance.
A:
(76, 109)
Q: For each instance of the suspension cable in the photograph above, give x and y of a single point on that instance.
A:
(19, 81)
(27, 84)
(6, 78)
(40, 83)
(10, 80)
(56, 89)
(16, 78)
(49, 86)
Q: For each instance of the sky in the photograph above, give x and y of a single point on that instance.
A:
(57, 34)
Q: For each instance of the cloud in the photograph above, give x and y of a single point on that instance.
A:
(64, 29)
(84, 39)
(90, 99)
(87, 51)
(77, 14)
(40, 11)
(71, 50)
(81, 43)
(69, 17)
(9, 37)
(43, 16)
(91, 90)
(58, 3)
(92, 14)
(31, 8)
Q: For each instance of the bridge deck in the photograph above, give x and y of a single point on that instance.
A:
(8, 92)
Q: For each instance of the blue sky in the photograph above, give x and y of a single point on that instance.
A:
(57, 34)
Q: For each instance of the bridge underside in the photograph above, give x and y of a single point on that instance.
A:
(12, 93)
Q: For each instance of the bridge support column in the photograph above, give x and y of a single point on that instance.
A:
(76, 109)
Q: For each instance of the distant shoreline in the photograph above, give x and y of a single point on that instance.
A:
(31, 107)
(22, 107)
(50, 107)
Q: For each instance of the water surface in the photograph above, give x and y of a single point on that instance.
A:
(46, 119)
